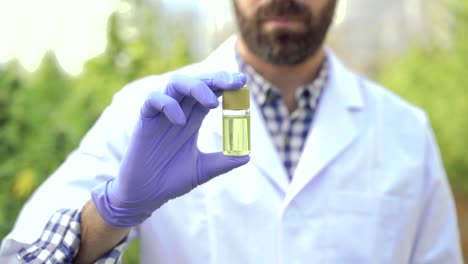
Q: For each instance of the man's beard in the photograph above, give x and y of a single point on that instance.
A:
(285, 47)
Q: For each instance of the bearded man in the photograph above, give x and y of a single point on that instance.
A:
(340, 171)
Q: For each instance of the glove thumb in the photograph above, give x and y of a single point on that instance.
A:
(213, 164)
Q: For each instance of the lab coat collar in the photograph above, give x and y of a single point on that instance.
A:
(333, 128)
(224, 57)
(332, 131)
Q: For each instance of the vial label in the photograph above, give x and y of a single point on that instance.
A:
(236, 135)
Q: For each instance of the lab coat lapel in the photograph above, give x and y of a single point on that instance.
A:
(264, 154)
(333, 128)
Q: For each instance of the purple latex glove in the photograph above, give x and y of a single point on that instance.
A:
(163, 160)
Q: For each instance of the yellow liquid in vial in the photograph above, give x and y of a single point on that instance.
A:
(236, 135)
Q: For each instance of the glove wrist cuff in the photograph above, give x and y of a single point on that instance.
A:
(113, 215)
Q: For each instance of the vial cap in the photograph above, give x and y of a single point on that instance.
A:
(237, 99)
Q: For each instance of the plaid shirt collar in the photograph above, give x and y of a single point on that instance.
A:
(263, 91)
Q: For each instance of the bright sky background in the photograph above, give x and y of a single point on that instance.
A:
(74, 29)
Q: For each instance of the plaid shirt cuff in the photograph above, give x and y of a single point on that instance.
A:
(60, 241)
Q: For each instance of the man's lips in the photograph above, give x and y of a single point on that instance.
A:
(281, 19)
(283, 22)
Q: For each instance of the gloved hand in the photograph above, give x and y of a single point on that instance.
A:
(163, 160)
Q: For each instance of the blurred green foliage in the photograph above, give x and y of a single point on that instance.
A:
(43, 115)
(434, 76)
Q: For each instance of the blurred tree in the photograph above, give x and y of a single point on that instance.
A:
(434, 77)
(28, 148)
(44, 115)
(133, 51)
(12, 81)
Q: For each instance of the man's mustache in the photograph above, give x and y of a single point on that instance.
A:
(283, 8)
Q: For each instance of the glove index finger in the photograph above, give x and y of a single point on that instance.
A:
(186, 87)
(158, 102)
(224, 80)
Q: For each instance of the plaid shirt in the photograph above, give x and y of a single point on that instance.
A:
(289, 131)
(60, 240)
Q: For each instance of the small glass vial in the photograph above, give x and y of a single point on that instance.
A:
(236, 122)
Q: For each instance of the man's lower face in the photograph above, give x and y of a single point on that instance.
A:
(285, 32)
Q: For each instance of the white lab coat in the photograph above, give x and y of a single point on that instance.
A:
(369, 187)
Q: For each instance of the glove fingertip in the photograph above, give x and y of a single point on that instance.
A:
(239, 160)
(240, 79)
(213, 103)
(174, 113)
(179, 120)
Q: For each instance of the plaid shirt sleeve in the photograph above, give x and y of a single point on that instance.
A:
(60, 241)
